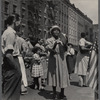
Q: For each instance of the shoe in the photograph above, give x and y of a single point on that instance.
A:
(32, 86)
(41, 89)
(85, 86)
(37, 88)
(70, 77)
(61, 96)
(24, 92)
(80, 83)
(54, 96)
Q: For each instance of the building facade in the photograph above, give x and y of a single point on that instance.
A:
(62, 19)
(40, 18)
(39, 15)
(61, 14)
(24, 17)
(78, 23)
(72, 21)
(11, 7)
(85, 24)
(72, 25)
(95, 31)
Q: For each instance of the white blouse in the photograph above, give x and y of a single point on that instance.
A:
(83, 42)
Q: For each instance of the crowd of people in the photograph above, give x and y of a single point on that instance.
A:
(49, 62)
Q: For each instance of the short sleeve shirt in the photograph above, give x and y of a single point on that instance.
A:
(9, 38)
(82, 42)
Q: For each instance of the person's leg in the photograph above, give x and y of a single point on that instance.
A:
(80, 80)
(62, 93)
(40, 83)
(23, 89)
(54, 89)
(54, 92)
(84, 80)
(12, 79)
(35, 82)
(11, 86)
(70, 77)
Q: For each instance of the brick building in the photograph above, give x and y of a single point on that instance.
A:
(72, 21)
(62, 19)
(39, 15)
(95, 31)
(10, 7)
(85, 24)
(72, 25)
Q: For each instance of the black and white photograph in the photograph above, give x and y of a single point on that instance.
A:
(49, 49)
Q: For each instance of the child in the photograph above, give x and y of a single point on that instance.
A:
(37, 70)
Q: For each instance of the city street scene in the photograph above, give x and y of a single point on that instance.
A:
(49, 49)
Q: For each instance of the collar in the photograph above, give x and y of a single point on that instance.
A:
(54, 38)
(82, 38)
(10, 28)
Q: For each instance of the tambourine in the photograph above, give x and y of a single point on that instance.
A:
(63, 38)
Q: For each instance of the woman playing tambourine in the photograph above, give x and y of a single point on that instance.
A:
(57, 75)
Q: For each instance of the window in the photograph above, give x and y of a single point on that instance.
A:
(39, 17)
(14, 8)
(62, 18)
(23, 1)
(23, 14)
(45, 20)
(59, 25)
(62, 27)
(23, 28)
(62, 7)
(6, 7)
(45, 32)
(39, 30)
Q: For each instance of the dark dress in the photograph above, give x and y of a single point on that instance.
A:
(70, 63)
(70, 60)
(11, 78)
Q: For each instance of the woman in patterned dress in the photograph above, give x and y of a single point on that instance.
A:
(57, 75)
(82, 59)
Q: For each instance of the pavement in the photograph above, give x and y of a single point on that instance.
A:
(73, 92)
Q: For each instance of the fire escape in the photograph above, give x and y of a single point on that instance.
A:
(33, 18)
(51, 10)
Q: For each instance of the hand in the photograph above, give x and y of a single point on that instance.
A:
(88, 69)
(59, 42)
(69, 49)
(54, 51)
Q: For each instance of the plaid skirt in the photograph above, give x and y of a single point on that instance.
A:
(37, 70)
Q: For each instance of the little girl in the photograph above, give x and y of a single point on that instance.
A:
(37, 70)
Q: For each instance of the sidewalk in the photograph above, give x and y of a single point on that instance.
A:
(73, 92)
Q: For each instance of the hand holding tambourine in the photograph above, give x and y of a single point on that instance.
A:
(63, 38)
(59, 42)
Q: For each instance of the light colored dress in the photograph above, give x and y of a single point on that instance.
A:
(21, 45)
(82, 60)
(57, 74)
